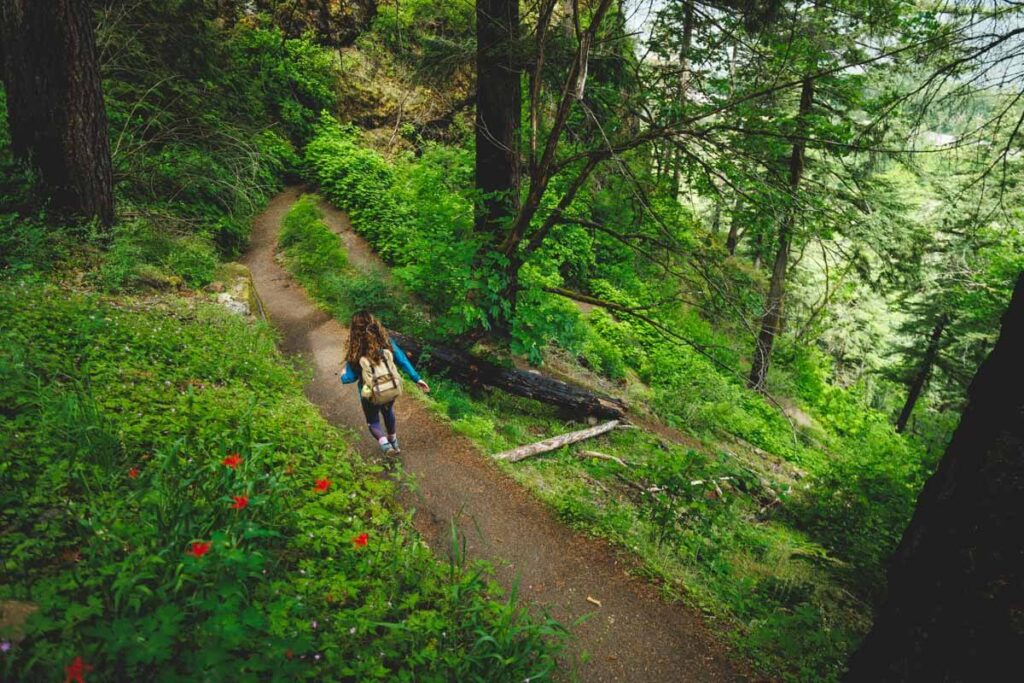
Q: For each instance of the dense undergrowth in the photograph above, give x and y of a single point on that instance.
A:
(177, 510)
(795, 582)
(198, 145)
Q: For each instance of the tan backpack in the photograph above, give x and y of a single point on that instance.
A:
(381, 381)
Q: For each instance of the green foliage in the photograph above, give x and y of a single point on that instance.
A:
(359, 181)
(141, 256)
(315, 247)
(409, 214)
(194, 259)
(598, 351)
(434, 34)
(199, 145)
(117, 421)
(291, 79)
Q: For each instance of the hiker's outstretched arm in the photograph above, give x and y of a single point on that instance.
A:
(349, 375)
(403, 362)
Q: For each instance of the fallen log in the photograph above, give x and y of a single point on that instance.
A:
(468, 369)
(555, 442)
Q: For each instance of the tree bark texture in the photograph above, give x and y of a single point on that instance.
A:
(58, 121)
(771, 321)
(498, 113)
(955, 606)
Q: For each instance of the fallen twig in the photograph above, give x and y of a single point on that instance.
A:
(603, 456)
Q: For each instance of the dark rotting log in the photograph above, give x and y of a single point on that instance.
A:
(466, 368)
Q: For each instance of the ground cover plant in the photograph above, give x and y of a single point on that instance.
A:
(177, 510)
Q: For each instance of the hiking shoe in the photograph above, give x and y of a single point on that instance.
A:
(386, 447)
(394, 445)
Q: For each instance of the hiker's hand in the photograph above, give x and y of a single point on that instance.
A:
(424, 386)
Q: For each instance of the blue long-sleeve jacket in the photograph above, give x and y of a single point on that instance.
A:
(355, 375)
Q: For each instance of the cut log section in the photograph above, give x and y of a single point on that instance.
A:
(468, 369)
(555, 442)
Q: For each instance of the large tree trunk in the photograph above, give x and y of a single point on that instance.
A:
(467, 369)
(58, 122)
(955, 606)
(922, 374)
(771, 321)
(498, 113)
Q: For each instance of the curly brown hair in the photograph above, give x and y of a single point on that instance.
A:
(366, 337)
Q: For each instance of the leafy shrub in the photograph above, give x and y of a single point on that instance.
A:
(127, 253)
(292, 79)
(141, 255)
(316, 256)
(192, 259)
(407, 215)
(316, 247)
(359, 181)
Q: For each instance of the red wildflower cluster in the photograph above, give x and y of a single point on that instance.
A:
(232, 461)
(199, 548)
(133, 473)
(76, 670)
(322, 485)
(240, 502)
(360, 540)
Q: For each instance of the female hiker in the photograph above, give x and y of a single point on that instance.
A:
(370, 361)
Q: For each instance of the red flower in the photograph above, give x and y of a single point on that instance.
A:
(76, 670)
(232, 461)
(199, 549)
(322, 484)
(133, 473)
(240, 502)
(360, 540)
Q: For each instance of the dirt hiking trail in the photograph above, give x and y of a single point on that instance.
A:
(633, 636)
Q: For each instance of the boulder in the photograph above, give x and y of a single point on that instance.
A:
(234, 290)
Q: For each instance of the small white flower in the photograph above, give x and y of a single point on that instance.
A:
(314, 624)
(352, 631)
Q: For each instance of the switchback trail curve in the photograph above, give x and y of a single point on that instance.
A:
(633, 636)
